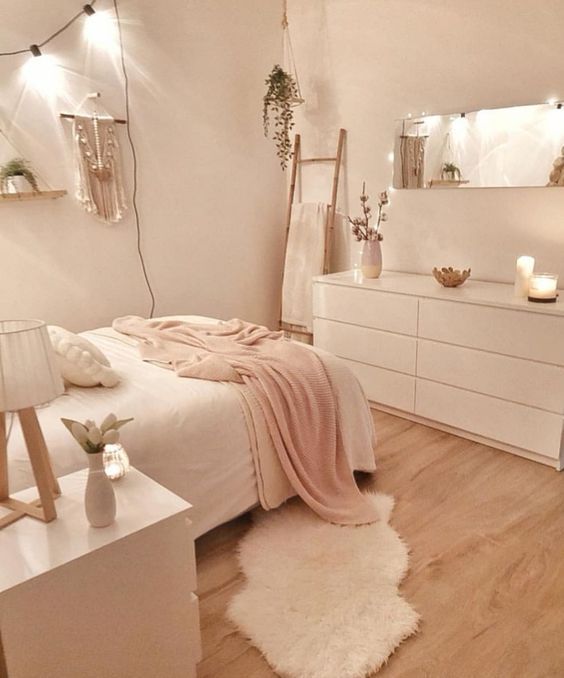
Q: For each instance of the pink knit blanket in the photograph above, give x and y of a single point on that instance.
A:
(293, 392)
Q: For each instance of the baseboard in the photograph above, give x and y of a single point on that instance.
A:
(526, 454)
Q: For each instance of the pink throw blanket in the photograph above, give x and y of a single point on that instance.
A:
(293, 391)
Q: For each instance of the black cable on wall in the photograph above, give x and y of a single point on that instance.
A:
(134, 155)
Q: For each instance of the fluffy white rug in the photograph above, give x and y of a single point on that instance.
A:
(322, 601)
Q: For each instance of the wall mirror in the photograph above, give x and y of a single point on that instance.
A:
(502, 147)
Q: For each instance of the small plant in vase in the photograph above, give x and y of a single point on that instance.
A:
(451, 172)
(99, 499)
(281, 96)
(16, 176)
(371, 261)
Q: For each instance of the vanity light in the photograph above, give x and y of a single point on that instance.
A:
(34, 49)
(542, 288)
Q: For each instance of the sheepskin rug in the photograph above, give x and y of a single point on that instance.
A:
(320, 600)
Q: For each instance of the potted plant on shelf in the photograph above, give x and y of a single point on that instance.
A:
(16, 176)
(281, 96)
(371, 260)
(450, 172)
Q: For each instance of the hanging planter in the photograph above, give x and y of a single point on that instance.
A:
(278, 101)
(282, 95)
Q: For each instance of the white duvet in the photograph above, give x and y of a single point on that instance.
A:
(189, 435)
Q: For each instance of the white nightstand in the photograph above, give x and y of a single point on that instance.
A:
(116, 602)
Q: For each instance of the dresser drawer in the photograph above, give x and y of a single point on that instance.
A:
(383, 349)
(522, 381)
(382, 386)
(522, 334)
(524, 427)
(380, 310)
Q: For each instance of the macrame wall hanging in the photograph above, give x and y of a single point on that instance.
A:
(97, 155)
(99, 186)
(412, 157)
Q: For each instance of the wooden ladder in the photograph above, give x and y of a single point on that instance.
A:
(330, 223)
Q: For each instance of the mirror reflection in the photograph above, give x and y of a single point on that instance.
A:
(518, 146)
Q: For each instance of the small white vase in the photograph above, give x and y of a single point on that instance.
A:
(18, 184)
(99, 499)
(371, 259)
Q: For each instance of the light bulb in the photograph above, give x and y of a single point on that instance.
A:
(42, 73)
(100, 30)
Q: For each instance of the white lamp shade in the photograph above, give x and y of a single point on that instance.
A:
(29, 374)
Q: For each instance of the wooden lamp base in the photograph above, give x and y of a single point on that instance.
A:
(47, 485)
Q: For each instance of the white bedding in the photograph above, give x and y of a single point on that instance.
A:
(190, 435)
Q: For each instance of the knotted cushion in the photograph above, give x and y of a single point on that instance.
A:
(80, 361)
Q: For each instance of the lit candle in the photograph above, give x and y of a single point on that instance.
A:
(523, 272)
(116, 461)
(542, 287)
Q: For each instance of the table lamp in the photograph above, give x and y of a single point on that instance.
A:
(29, 376)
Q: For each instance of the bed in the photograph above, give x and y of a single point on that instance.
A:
(190, 435)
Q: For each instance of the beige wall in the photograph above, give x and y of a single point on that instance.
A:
(210, 189)
(364, 63)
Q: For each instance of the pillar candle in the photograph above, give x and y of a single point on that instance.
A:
(523, 272)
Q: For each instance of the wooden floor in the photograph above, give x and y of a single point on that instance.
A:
(486, 531)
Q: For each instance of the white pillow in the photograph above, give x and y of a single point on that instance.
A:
(81, 363)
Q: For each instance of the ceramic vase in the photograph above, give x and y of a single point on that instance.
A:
(99, 500)
(371, 259)
(18, 184)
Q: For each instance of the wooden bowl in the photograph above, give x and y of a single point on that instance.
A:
(451, 277)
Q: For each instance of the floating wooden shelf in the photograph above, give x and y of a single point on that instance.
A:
(447, 183)
(31, 195)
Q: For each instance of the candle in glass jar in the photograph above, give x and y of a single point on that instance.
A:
(523, 272)
(542, 287)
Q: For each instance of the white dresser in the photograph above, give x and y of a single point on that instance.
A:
(472, 360)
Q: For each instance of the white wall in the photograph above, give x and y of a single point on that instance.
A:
(365, 63)
(210, 190)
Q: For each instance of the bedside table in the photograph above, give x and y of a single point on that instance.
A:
(115, 602)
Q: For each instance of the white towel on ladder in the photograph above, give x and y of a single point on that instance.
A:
(304, 260)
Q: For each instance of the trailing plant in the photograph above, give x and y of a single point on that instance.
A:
(361, 228)
(281, 94)
(17, 167)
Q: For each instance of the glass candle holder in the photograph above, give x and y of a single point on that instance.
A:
(116, 461)
(542, 288)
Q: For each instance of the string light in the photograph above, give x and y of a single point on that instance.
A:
(100, 29)
(35, 49)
